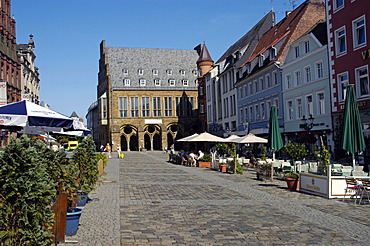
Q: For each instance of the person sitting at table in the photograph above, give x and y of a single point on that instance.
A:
(192, 158)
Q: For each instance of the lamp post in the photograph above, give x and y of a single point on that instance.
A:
(307, 125)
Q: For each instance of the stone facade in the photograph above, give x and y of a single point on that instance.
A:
(29, 72)
(147, 98)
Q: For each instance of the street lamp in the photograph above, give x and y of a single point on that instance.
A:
(305, 125)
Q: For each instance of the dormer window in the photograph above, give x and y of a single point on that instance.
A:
(127, 82)
(296, 51)
(155, 71)
(261, 58)
(195, 72)
(182, 72)
(249, 67)
(272, 52)
(141, 71)
(125, 71)
(172, 82)
(142, 82)
(185, 82)
(157, 82)
(169, 72)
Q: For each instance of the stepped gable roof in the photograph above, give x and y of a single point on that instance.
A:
(204, 55)
(265, 23)
(284, 29)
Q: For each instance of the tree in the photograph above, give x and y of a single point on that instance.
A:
(27, 191)
(85, 159)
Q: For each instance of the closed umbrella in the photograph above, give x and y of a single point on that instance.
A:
(275, 142)
(352, 136)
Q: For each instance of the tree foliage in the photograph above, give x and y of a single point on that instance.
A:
(295, 151)
(85, 159)
(26, 194)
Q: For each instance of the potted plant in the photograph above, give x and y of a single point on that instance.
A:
(295, 151)
(292, 180)
(205, 161)
(27, 190)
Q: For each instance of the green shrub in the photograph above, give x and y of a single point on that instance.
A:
(27, 190)
(103, 157)
(206, 158)
(291, 175)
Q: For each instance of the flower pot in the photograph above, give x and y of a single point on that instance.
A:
(81, 200)
(292, 183)
(223, 168)
(205, 164)
(73, 220)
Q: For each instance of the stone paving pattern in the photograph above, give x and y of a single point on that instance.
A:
(154, 202)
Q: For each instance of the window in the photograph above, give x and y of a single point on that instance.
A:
(362, 81)
(307, 47)
(201, 108)
(155, 71)
(182, 72)
(255, 86)
(168, 106)
(319, 70)
(290, 110)
(262, 84)
(321, 103)
(296, 51)
(169, 72)
(145, 107)
(185, 82)
(134, 106)
(104, 108)
(309, 108)
(272, 53)
(307, 76)
(338, 4)
(179, 107)
(340, 41)
(263, 115)
(142, 82)
(125, 71)
(127, 82)
(249, 67)
(122, 107)
(172, 82)
(297, 76)
(240, 92)
(250, 113)
(274, 78)
(246, 114)
(156, 106)
(157, 82)
(268, 81)
(261, 58)
(288, 80)
(299, 108)
(342, 83)
(359, 33)
(250, 89)
(257, 111)
(195, 72)
(141, 71)
(276, 103)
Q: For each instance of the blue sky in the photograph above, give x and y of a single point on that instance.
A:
(67, 34)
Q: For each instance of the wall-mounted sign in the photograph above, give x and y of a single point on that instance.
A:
(3, 93)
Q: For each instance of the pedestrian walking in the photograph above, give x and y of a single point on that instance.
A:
(119, 151)
(109, 151)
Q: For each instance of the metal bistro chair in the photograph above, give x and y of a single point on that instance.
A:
(352, 186)
(365, 189)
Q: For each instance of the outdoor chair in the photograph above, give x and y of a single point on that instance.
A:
(365, 189)
(352, 187)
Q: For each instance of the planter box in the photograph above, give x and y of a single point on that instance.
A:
(73, 220)
(205, 164)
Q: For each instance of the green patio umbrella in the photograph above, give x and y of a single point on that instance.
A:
(352, 136)
(275, 142)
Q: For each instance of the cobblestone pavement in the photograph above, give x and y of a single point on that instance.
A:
(158, 203)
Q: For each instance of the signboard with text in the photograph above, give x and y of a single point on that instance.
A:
(3, 93)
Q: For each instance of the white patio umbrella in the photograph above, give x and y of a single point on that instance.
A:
(231, 138)
(250, 138)
(185, 139)
(207, 137)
